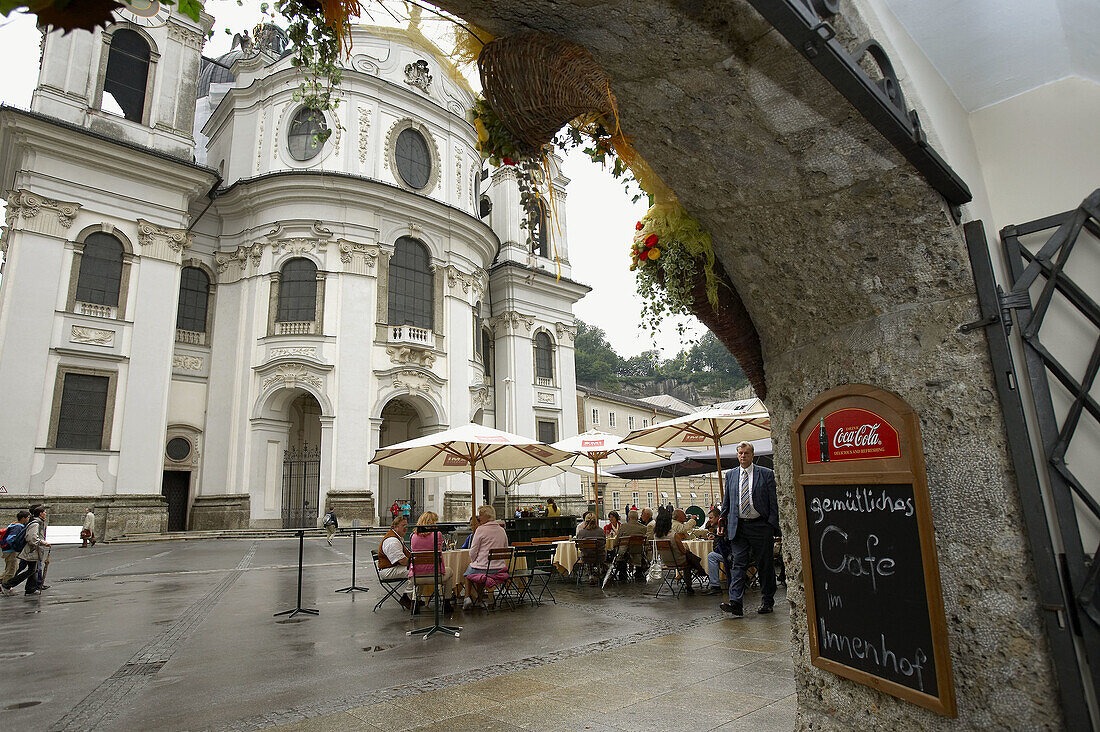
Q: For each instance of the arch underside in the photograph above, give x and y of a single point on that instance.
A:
(852, 270)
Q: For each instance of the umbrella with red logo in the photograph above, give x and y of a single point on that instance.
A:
(709, 427)
(472, 448)
(593, 448)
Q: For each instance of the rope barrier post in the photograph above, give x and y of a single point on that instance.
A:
(353, 587)
(298, 608)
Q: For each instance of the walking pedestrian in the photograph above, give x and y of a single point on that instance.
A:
(12, 544)
(87, 533)
(331, 524)
(34, 551)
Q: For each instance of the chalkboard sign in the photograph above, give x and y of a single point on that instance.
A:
(873, 598)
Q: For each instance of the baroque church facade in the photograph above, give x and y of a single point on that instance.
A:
(217, 303)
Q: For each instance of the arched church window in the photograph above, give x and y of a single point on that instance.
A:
(544, 358)
(297, 292)
(100, 274)
(411, 285)
(127, 74)
(538, 220)
(194, 295)
(414, 162)
(305, 137)
(487, 353)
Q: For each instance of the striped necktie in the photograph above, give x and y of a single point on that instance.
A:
(746, 500)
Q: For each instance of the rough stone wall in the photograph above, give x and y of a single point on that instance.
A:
(115, 516)
(853, 272)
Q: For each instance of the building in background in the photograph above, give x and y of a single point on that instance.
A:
(217, 303)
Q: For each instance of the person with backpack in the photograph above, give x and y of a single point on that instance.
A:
(34, 551)
(11, 543)
(331, 524)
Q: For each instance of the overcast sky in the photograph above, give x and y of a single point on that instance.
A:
(600, 215)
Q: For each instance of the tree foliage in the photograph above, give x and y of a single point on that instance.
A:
(706, 365)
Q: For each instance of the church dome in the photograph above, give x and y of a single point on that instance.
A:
(266, 37)
(217, 71)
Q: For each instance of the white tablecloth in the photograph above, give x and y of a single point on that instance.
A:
(565, 554)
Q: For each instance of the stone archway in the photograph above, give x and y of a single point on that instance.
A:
(852, 271)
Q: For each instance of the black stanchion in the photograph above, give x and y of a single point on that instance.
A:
(353, 587)
(298, 608)
(436, 627)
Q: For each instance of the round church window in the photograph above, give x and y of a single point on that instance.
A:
(307, 134)
(414, 162)
(178, 449)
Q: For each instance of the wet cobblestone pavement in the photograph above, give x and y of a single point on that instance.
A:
(180, 636)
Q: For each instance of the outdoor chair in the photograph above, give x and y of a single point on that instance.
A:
(392, 587)
(672, 572)
(633, 552)
(424, 579)
(541, 562)
(504, 554)
(591, 559)
(521, 574)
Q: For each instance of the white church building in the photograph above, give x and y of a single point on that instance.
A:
(211, 318)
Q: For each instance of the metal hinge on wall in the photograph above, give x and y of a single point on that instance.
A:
(1008, 302)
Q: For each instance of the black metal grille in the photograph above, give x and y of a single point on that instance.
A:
(411, 285)
(544, 356)
(297, 292)
(83, 410)
(301, 486)
(100, 270)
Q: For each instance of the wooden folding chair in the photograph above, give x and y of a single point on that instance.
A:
(591, 557)
(672, 571)
(392, 587)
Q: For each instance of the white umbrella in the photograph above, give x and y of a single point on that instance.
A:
(508, 477)
(593, 448)
(715, 426)
(470, 447)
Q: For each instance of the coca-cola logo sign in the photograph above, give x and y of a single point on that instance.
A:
(852, 434)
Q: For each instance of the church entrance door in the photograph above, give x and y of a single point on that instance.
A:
(176, 487)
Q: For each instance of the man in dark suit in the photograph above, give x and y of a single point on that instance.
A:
(751, 512)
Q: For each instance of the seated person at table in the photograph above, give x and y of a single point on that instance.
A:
(646, 517)
(489, 535)
(613, 524)
(421, 541)
(470, 536)
(719, 556)
(663, 531)
(632, 527)
(683, 525)
(393, 557)
(590, 528)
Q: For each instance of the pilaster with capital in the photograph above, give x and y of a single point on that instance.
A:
(31, 212)
(160, 242)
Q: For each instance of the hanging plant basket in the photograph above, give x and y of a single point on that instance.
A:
(539, 82)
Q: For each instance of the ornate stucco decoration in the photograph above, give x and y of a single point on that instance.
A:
(236, 265)
(460, 155)
(357, 257)
(545, 397)
(299, 351)
(562, 330)
(510, 321)
(480, 396)
(457, 278)
(290, 375)
(260, 141)
(160, 242)
(414, 381)
(416, 74)
(508, 172)
(411, 355)
(95, 336)
(186, 36)
(364, 133)
(278, 126)
(25, 211)
(291, 239)
(390, 158)
(364, 63)
(188, 363)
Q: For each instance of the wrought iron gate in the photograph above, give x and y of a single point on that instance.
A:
(1067, 570)
(301, 486)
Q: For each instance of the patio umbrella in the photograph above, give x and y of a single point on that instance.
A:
(470, 447)
(681, 464)
(716, 426)
(508, 477)
(592, 448)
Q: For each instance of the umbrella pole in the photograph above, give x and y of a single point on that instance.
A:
(721, 481)
(675, 492)
(473, 490)
(596, 485)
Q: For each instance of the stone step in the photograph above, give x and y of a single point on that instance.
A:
(240, 534)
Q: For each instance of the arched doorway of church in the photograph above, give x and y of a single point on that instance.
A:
(400, 421)
(301, 474)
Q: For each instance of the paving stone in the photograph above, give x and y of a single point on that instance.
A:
(765, 685)
(469, 723)
(341, 722)
(388, 716)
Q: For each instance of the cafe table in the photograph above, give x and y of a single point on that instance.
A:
(565, 553)
(457, 561)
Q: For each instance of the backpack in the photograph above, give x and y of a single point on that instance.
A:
(15, 538)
